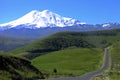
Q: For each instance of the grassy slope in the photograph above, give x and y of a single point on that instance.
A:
(115, 61)
(14, 68)
(113, 73)
(70, 62)
(99, 39)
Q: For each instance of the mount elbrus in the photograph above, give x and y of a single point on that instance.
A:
(38, 24)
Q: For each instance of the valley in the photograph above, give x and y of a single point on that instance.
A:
(59, 40)
(9, 43)
(71, 54)
(51, 46)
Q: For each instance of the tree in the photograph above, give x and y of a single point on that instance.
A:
(55, 70)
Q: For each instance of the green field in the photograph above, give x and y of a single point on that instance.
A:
(70, 62)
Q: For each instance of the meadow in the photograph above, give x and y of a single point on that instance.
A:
(69, 62)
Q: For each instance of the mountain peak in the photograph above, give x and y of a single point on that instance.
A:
(33, 11)
(46, 11)
(39, 19)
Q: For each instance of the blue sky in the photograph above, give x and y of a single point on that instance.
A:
(89, 11)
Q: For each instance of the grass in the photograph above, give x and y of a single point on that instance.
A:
(115, 61)
(15, 68)
(70, 62)
(113, 73)
(101, 78)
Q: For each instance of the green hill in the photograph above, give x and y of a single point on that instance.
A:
(59, 41)
(69, 62)
(14, 68)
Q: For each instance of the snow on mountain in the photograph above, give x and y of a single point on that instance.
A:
(46, 18)
(106, 25)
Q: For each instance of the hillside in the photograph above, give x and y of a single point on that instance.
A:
(115, 61)
(14, 68)
(69, 62)
(73, 43)
(9, 43)
(59, 41)
(113, 72)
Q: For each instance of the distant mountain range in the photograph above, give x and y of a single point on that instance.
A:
(38, 24)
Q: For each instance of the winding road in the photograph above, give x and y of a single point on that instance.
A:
(90, 75)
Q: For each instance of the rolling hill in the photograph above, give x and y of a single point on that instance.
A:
(59, 41)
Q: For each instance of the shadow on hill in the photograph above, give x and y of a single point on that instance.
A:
(18, 69)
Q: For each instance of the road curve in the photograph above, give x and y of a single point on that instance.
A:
(90, 75)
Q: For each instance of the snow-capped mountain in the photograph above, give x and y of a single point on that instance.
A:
(106, 25)
(38, 24)
(37, 19)
(111, 25)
